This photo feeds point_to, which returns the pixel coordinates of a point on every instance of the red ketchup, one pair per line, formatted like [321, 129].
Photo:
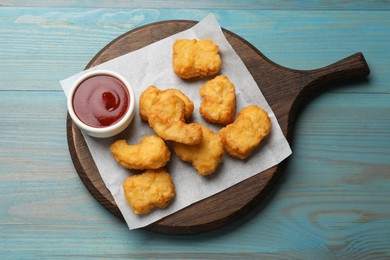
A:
[101, 101]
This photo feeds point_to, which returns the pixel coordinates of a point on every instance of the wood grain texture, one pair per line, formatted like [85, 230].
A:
[330, 203]
[299, 40]
[327, 202]
[202, 4]
[284, 89]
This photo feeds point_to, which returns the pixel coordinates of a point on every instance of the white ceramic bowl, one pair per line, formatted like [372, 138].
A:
[111, 130]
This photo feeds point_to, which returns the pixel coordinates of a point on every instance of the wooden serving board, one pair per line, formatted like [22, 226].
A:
[286, 90]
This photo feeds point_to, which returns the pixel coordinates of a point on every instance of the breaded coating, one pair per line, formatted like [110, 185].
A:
[218, 101]
[166, 118]
[188, 104]
[147, 99]
[145, 191]
[196, 58]
[242, 137]
[151, 95]
[151, 153]
[205, 156]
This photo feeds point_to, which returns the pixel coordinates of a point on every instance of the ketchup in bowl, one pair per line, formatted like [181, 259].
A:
[100, 101]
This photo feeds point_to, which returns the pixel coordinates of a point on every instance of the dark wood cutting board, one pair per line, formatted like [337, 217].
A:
[284, 89]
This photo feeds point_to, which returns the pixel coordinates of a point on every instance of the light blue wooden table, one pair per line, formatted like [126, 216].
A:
[333, 201]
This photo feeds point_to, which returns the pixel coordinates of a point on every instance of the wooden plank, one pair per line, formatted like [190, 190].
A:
[55, 43]
[332, 201]
[202, 4]
[275, 82]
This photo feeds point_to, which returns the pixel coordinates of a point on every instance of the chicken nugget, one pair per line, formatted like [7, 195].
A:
[205, 156]
[241, 137]
[151, 95]
[148, 97]
[167, 120]
[145, 191]
[218, 101]
[196, 58]
[151, 153]
[188, 104]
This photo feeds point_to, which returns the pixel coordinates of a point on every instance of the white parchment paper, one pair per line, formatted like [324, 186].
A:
[152, 65]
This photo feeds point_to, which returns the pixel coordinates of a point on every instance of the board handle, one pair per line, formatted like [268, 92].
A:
[352, 67]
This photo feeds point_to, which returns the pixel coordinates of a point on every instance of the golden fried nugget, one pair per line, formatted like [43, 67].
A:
[148, 97]
[188, 105]
[151, 153]
[145, 191]
[167, 120]
[195, 58]
[205, 156]
[242, 137]
[151, 95]
[218, 101]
